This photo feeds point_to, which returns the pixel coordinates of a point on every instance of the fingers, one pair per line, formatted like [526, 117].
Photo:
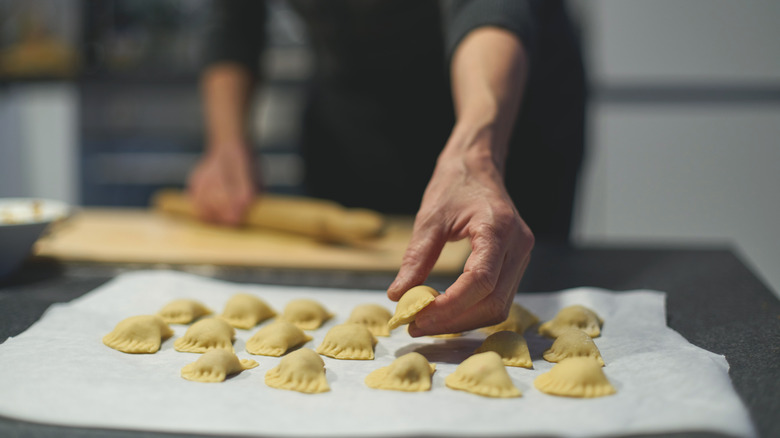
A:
[424, 249]
[491, 310]
[483, 293]
[479, 279]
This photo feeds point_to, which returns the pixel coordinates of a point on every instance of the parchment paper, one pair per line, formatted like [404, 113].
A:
[59, 372]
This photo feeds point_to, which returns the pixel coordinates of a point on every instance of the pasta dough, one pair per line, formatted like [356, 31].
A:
[206, 334]
[447, 335]
[138, 334]
[215, 366]
[373, 316]
[302, 370]
[519, 320]
[306, 314]
[183, 311]
[573, 343]
[575, 316]
[414, 300]
[575, 377]
[276, 338]
[483, 374]
[410, 372]
[348, 341]
[245, 311]
[511, 346]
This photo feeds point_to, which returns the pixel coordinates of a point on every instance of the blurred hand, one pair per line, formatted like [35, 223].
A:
[222, 185]
[466, 200]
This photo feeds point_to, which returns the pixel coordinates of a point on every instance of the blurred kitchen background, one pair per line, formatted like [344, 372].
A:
[99, 106]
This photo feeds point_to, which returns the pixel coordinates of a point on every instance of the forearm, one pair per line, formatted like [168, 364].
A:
[466, 196]
[226, 88]
[488, 70]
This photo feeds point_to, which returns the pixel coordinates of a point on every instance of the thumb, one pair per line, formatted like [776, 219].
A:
[424, 249]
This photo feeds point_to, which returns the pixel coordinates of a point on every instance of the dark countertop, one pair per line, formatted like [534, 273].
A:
[714, 300]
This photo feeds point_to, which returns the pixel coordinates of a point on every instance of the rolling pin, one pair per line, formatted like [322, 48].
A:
[320, 219]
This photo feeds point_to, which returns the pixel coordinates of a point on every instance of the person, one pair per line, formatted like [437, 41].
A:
[469, 113]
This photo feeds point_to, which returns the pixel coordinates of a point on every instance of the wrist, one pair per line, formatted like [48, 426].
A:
[227, 147]
[477, 144]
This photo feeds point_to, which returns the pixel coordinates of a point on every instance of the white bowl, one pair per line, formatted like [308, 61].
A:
[22, 221]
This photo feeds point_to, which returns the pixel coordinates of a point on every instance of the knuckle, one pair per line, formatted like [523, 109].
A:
[528, 237]
[484, 280]
[413, 255]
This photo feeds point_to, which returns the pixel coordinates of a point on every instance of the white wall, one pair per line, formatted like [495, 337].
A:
[685, 167]
[39, 141]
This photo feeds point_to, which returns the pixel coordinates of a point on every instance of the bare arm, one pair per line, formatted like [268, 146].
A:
[466, 197]
[223, 183]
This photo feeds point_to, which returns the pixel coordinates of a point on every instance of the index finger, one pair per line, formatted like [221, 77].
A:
[419, 258]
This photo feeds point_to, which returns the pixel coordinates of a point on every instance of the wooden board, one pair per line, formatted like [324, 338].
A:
[143, 236]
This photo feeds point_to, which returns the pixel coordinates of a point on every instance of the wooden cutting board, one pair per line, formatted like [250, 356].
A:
[145, 236]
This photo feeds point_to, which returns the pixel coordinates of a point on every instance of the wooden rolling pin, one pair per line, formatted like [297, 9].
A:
[317, 218]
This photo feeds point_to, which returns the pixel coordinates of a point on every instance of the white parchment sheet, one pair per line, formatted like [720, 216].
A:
[59, 372]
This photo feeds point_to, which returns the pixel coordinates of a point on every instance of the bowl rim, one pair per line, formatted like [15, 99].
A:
[64, 210]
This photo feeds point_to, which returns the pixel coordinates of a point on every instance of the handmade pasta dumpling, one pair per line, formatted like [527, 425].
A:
[183, 311]
[373, 316]
[573, 343]
[245, 311]
[447, 335]
[410, 372]
[302, 370]
[414, 300]
[575, 316]
[511, 346]
[483, 374]
[348, 341]
[519, 320]
[138, 334]
[215, 366]
[206, 334]
[276, 339]
[306, 314]
[575, 377]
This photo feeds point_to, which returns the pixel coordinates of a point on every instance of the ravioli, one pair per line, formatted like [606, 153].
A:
[215, 366]
[511, 346]
[348, 341]
[183, 311]
[302, 370]
[575, 316]
[206, 334]
[141, 334]
[373, 316]
[447, 335]
[306, 314]
[519, 320]
[276, 339]
[573, 343]
[575, 377]
[414, 300]
[483, 374]
[411, 373]
[245, 311]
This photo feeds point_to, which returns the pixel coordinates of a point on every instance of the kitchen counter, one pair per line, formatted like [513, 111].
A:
[714, 300]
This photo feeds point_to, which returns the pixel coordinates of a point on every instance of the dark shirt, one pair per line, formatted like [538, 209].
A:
[380, 109]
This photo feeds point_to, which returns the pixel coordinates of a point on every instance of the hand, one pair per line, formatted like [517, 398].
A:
[466, 200]
[222, 185]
